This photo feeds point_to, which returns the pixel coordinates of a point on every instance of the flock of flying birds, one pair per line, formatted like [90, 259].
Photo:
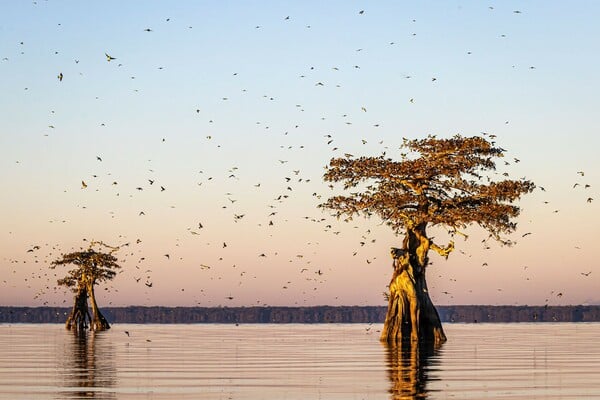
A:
[293, 177]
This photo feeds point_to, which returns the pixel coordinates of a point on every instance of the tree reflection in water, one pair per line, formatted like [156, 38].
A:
[89, 369]
[408, 366]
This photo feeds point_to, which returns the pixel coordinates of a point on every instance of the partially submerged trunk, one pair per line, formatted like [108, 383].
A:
[80, 316]
[411, 314]
[99, 323]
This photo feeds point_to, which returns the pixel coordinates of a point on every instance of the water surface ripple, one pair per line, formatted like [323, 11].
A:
[321, 361]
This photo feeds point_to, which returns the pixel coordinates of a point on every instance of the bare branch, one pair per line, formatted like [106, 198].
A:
[442, 251]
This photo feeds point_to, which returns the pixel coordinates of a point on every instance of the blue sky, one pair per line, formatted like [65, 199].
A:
[229, 105]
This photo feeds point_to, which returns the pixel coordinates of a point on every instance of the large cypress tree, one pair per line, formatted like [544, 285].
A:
[449, 183]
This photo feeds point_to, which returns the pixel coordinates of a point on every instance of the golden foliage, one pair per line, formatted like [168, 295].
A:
[446, 182]
[91, 267]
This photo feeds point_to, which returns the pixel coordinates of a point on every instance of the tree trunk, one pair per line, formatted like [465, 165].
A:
[411, 314]
[99, 323]
[80, 315]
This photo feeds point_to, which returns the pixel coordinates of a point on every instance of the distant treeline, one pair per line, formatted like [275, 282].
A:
[302, 315]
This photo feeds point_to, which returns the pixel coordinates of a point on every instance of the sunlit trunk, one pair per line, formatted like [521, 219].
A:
[99, 323]
[411, 314]
[402, 319]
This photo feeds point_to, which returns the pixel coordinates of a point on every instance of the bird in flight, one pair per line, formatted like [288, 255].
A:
[83, 185]
[109, 57]
[60, 76]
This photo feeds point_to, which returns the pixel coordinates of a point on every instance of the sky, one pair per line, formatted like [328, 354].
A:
[203, 141]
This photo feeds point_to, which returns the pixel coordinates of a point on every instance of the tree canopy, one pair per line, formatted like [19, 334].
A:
[90, 266]
[437, 182]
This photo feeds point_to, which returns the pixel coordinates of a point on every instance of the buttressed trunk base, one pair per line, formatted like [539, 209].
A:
[80, 319]
[411, 314]
[80, 316]
[99, 323]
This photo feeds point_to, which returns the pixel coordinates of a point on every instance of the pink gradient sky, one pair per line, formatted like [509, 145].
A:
[228, 106]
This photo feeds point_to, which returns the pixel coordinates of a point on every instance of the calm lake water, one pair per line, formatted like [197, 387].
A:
[334, 361]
